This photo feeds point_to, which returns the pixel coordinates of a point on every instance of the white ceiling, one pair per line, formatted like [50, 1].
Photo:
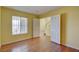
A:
[34, 9]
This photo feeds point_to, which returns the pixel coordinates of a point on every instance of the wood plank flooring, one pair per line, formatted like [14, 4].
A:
[36, 45]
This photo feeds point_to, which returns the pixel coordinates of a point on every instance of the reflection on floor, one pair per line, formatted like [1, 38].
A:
[36, 45]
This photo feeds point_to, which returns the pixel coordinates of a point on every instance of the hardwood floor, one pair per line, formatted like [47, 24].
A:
[36, 45]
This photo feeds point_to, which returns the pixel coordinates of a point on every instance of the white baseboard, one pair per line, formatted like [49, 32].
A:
[14, 41]
[68, 46]
[72, 47]
[17, 41]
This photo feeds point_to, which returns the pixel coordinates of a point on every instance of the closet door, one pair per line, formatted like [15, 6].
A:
[55, 29]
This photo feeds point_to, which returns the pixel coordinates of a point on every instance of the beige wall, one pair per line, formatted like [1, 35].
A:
[7, 36]
[73, 29]
[36, 27]
[0, 26]
[70, 25]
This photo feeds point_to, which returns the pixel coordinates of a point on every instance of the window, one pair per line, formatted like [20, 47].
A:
[19, 25]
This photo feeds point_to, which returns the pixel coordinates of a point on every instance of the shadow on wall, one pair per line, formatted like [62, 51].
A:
[63, 28]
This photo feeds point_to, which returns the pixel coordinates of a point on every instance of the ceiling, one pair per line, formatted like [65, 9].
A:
[34, 9]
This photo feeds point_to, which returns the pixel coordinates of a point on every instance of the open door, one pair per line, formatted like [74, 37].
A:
[55, 29]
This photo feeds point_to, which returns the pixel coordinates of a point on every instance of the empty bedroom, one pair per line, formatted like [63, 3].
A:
[39, 29]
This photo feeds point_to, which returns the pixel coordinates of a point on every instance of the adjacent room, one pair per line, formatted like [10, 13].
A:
[39, 29]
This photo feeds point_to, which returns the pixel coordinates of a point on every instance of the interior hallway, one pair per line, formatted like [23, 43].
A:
[36, 45]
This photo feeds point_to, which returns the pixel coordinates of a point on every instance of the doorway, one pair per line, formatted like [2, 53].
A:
[45, 26]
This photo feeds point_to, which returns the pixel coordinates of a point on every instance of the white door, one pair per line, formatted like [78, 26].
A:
[55, 29]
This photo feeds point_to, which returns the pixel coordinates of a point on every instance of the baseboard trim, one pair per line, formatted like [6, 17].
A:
[72, 47]
[65, 45]
[19, 41]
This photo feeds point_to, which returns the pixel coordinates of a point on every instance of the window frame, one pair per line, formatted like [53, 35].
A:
[26, 25]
